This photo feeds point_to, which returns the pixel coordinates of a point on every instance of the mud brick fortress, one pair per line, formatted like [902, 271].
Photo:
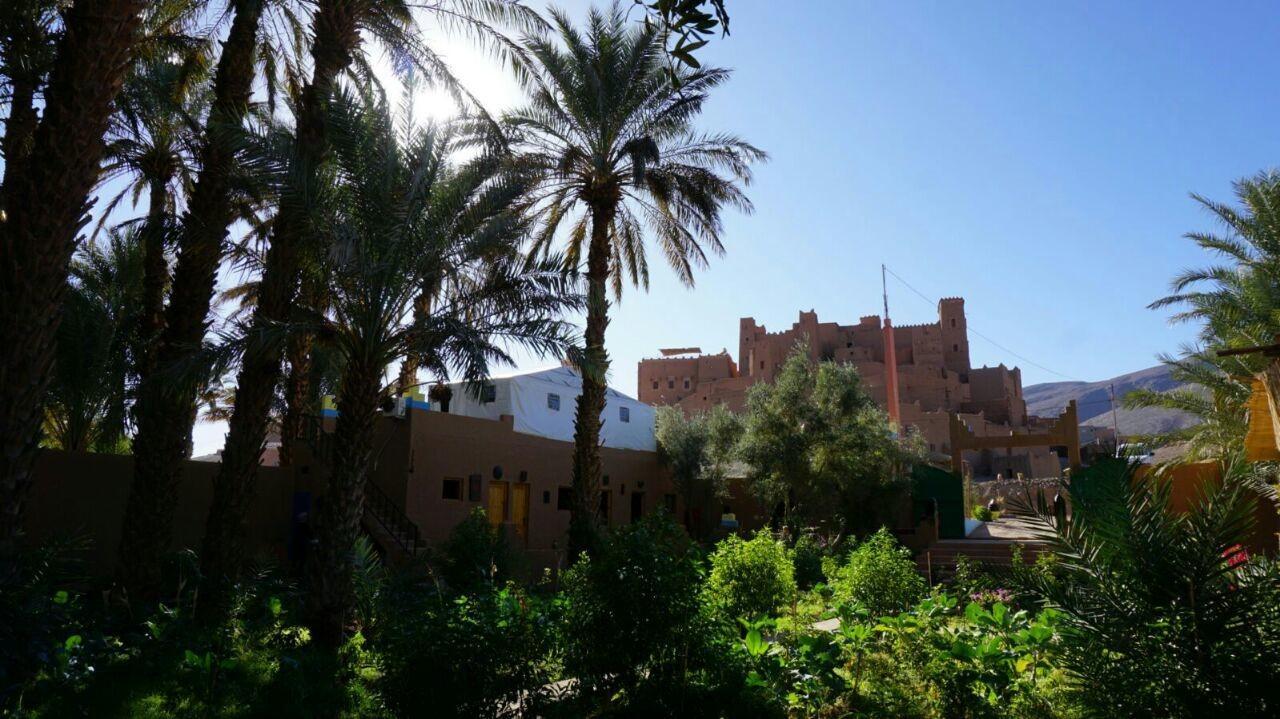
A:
[926, 366]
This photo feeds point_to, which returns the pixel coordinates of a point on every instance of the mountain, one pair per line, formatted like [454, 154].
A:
[1093, 400]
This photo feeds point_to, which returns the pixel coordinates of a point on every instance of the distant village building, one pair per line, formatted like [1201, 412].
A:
[933, 375]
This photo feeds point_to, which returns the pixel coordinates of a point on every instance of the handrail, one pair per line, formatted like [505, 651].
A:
[384, 509]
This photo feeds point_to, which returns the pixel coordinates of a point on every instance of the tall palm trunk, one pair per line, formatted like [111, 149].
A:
[19, 129]
[300, 394]
[46, 206]
[330, 569]
[155, 273]
[336, 37]
[408, 379]
[583, 529]
[164, 412]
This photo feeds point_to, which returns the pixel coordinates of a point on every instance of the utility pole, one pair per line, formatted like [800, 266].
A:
[1115, 424]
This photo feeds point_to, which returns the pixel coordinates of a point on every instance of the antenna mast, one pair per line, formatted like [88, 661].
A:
[884, 285]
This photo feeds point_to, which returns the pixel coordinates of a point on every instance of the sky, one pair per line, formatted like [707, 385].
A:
[1033, 158]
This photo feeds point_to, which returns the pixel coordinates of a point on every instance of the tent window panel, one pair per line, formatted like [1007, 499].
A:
[553, 402]
[624, 414]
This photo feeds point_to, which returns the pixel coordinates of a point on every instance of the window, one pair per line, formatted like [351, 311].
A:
[955, 348]
[546, 496]
[488, 394]
[553, 402]
[624, 414]
[671, 384]
[655, 384]
[452, 488]
[669, 501]
[473, 488]
[564, 498]
[686, 384]
[761, 364]
[953, 322]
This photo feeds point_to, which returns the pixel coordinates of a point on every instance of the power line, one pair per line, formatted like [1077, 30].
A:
[976, 332]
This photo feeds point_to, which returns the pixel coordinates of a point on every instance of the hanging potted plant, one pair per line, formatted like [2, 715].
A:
[442, 393]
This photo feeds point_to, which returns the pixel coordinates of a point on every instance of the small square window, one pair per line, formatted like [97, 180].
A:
[553, 402]
[955, 348]
[452, 488]
[564, 498]
[624, 414]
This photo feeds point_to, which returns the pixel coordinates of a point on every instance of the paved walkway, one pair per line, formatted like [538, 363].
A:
[1015, 528]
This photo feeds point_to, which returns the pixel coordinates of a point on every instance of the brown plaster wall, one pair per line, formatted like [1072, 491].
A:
[81, 493]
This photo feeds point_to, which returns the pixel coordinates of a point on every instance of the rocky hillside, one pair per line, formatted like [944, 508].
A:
[1093, 400]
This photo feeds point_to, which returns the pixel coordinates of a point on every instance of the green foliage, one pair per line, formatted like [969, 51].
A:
[815, 442]
[750, 578]
[1161, 614]
[807, 556]
[879, 576]
[98, 343]
[476, 555]
[1235, 304]
[982, 513]
[636, 636]
[465, 656]
[698, 449]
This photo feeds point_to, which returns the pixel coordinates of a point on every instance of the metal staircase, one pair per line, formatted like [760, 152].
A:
[384, 521]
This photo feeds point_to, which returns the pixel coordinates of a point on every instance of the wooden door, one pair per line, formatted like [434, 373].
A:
[520, 510]
[499, 496]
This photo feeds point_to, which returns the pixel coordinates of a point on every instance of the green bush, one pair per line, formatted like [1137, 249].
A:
[466, 656]
[880, 576]
[750, 578]
[477, 557]
[807, 556]
[982, 513]
[637, 638]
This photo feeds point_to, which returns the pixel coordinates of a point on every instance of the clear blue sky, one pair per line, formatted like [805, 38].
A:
[1034, 158]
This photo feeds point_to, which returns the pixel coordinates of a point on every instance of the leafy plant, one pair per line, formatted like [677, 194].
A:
[879, 575]
[1160, 614]
[750, 578]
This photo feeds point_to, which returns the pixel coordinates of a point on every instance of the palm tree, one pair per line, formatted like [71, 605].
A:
[151, 141]
[609, 133]
[165, 411]
[403, 219]
[337, 30]
[1161, 613]
[98, 341]
[1236, 305]
[45, 205]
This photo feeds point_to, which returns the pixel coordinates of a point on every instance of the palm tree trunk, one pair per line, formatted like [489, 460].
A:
[300, 393]
[19, 129]
[336, 37]
[583, 526]
[331, 598]
[155, 274]
[408, 378]
[46, 206]
[165, 412]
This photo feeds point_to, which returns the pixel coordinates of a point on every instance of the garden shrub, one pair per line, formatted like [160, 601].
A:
[465, 656]
[982, 513]
[807, 557]
[636, 636]
[476, 555]
[880, 575]
[750, 578]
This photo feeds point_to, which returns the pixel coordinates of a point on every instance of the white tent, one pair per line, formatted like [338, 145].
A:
[543, 403]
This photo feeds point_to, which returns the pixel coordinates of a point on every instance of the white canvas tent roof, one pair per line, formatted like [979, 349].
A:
[543, 403]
